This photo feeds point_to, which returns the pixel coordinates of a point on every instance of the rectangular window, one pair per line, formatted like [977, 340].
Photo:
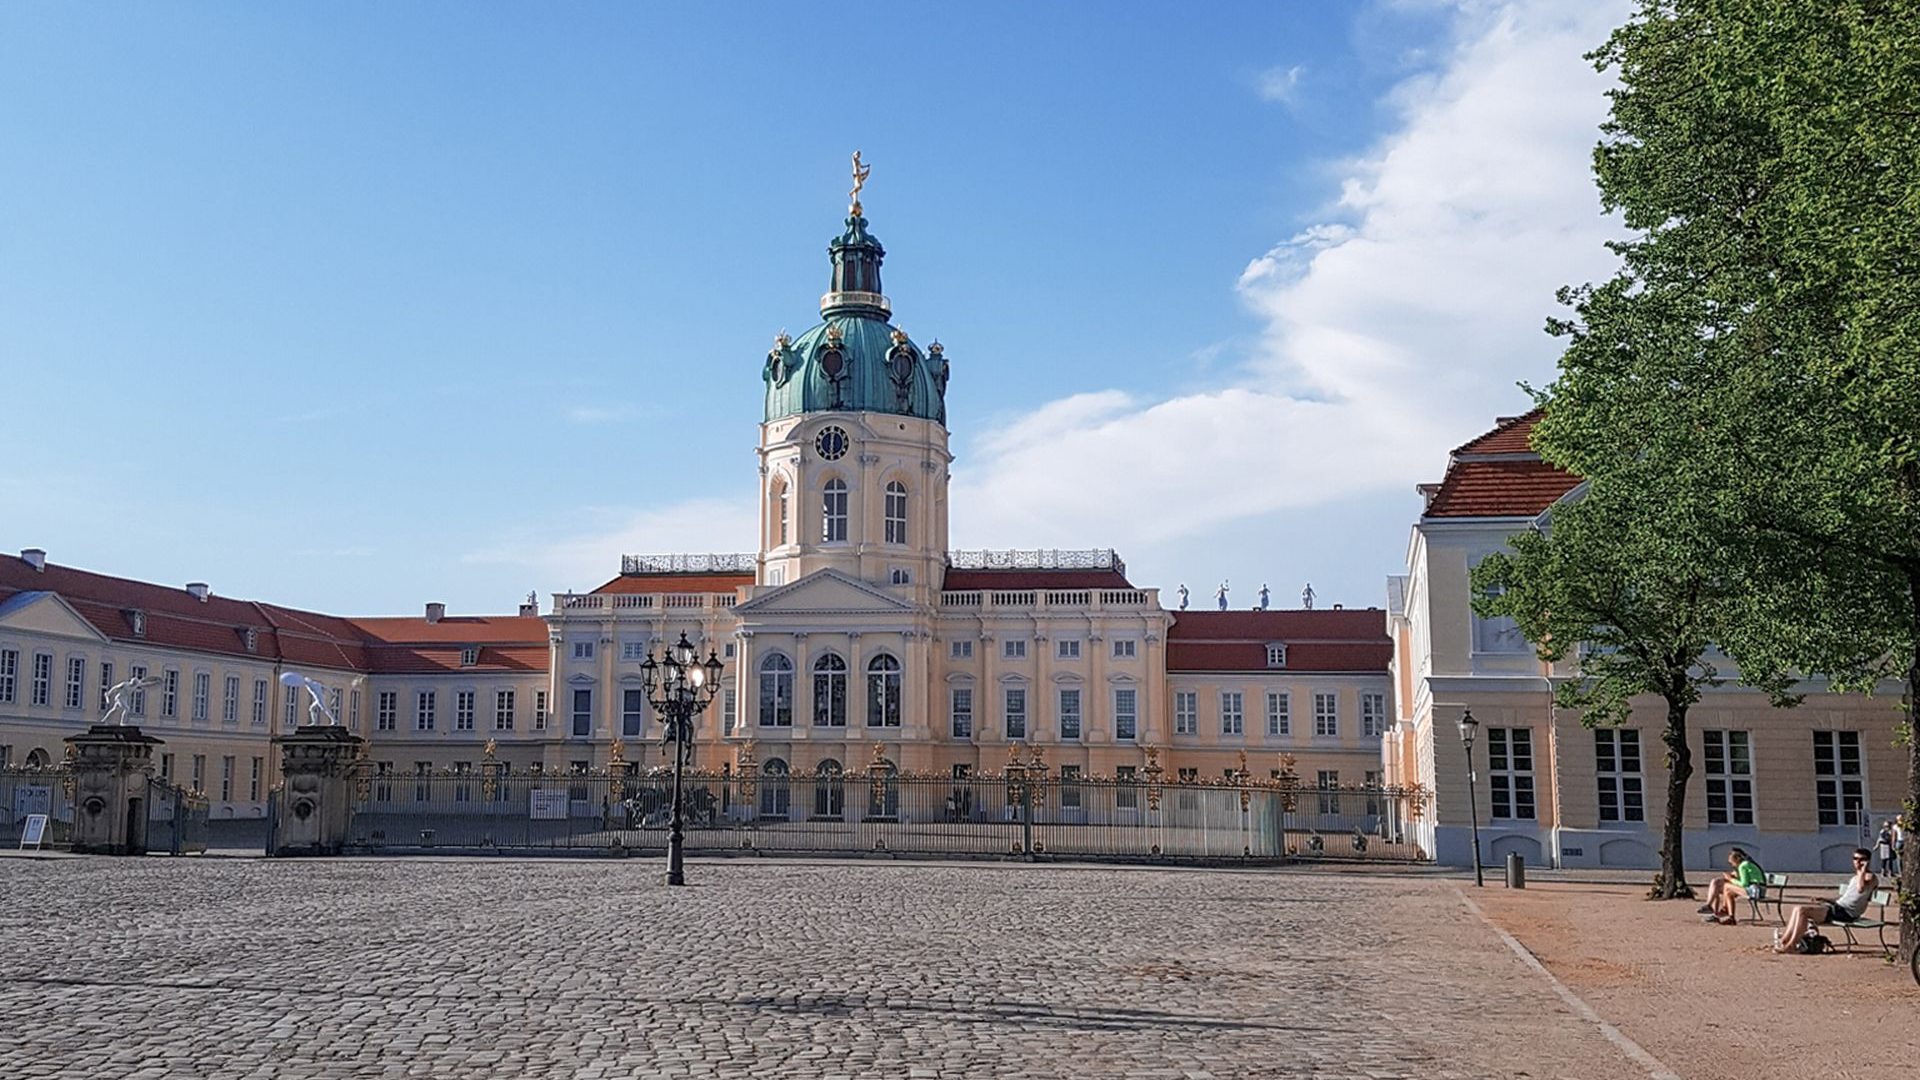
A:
[106, 681]
[1510, 772]
[1126, 717]
[1067, 649]
[202, 695]
[1840, 792]
[896, 514]
[963, 713]
[729, 709]
[1070, 714]
[1616, 768]
[424, 706]
[470, 656]
[421, 770]
[253, 781]
[582, 713]
[1329, 783]
[383, 781]
[1233, 713]
[1186, 712]
[503, 710]
[386, 710]
[260, 702]
[138, 706]
[1276, 656]
[1185, 798]
[1373, 715]
[583, 650]
[633, 713]
[230, 700]
[1326, 715]
[1729, 771]
[1069, 786]
[226, 778]
[353, 709]
[1126, 790]
[199, 773]
[1123, 648]
[76, 682]
[9, 674]
[1279, 713]
[170, 695]
[960, 650]
[539, 710]
[633, 650]
[43, 678]
[463, 781]
[290, 715]
[166, 767]
[463, 710]
[1016, 713]
[1014, 649]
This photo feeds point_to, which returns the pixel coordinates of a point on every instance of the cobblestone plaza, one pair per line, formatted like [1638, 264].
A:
[232, 968]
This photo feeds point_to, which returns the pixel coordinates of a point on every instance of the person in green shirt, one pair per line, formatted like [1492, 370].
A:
[1745, 879]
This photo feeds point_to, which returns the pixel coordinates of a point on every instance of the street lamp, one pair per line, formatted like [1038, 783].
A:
[678, 686]
[1469, 727]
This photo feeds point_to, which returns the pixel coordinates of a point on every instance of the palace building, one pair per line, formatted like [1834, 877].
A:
[851, 636]
[1799, 788]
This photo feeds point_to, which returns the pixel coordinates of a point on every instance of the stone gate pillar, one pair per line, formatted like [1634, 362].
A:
[111, 765]
[314, 805]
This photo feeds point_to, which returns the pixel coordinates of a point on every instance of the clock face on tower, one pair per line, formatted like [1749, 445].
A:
[831, 442]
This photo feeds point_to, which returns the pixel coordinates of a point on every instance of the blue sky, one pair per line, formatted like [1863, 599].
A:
[358, 306]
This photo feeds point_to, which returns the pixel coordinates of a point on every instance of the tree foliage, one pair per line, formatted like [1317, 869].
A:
[1762, 337]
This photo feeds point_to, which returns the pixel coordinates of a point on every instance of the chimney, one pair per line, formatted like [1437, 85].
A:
[198, 590]
[530, 609]
[436, 612]
[35, 558]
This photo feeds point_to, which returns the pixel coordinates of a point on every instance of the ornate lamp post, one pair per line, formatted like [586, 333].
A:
[1469, 727]
[679, 686]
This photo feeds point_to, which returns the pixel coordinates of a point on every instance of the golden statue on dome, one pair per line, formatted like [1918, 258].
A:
[860, 172]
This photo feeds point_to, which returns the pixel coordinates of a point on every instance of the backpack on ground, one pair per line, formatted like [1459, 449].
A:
[1815, 943]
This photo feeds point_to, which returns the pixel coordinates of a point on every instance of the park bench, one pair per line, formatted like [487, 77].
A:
[1773, 893]
[1873, 918]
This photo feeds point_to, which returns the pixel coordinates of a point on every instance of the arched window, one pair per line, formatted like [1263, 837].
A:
[780, 512]
[830, 691]
[38, 759]
[829, 791]
[776, 691]
[883, 691]
[833, 512]
[776, 792]
[896, 513]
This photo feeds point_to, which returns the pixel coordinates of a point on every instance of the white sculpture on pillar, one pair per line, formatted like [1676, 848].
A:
[316, 696]
[119, 693]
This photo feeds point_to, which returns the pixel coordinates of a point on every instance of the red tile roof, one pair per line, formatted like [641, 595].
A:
[1316, 641]
[1498, 475]
[676, 583]
[968, 580]
[175, 619]
[1510, 435]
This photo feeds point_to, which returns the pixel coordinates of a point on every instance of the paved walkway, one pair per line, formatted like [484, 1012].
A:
[467, 968]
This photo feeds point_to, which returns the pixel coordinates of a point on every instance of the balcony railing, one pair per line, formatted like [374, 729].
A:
[741, 562]
[1028, 599]
[643, 602]
[1037, 559]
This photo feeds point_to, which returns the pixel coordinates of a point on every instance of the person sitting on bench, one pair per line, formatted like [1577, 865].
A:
[1847, 907]
[1723, 891]
[1745, 881]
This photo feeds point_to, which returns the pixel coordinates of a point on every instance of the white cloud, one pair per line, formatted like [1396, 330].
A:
[591, 555]
[1393, 330]
[1281, 84]
[602, 414]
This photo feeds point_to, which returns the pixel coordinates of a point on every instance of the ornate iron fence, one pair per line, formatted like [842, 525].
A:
[29, 790]
[1020, 812]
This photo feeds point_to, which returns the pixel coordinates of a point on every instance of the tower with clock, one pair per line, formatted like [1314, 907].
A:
[853, 446]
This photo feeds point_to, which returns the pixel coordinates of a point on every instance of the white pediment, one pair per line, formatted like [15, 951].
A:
[46, 613]
[824, 592]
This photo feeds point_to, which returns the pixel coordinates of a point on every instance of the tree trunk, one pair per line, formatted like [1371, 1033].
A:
[1909, 893]
[1672, 882]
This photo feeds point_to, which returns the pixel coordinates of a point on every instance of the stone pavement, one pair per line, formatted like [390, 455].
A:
[222, 968]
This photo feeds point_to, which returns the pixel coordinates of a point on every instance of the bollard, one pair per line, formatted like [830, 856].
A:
[1516, 870]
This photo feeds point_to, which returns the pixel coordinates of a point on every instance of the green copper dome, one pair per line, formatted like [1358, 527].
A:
[855, 360]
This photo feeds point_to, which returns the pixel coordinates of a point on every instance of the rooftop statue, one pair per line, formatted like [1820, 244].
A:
[1183, 596]
[859, 181]
[1306, 596]
[1220, 594]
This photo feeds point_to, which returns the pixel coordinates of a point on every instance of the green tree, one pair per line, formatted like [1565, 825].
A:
[1620, 578]
[1762, 337]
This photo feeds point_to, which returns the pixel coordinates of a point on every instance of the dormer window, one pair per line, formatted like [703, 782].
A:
[252, 639]
[1276, 655]
[139, 621]
[470, 656]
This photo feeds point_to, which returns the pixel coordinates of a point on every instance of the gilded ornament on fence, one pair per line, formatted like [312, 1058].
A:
[1154, 772]
[1417, 801]
[489, 750]
[617, 753]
